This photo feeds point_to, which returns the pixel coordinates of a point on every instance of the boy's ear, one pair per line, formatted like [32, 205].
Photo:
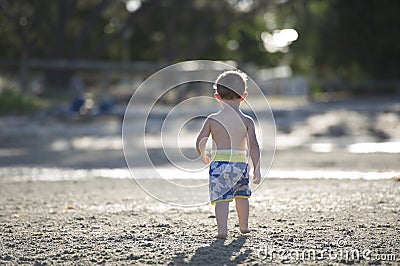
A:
[216, 95]
[243, 96]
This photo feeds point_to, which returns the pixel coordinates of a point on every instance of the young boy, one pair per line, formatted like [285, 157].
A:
[232, 134]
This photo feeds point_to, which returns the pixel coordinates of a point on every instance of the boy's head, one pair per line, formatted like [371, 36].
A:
[231, 85]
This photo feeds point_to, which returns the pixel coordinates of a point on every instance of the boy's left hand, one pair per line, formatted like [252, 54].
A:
[205, 158]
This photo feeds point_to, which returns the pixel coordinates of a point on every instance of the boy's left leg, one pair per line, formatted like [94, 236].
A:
[221, 213]
[242, 209]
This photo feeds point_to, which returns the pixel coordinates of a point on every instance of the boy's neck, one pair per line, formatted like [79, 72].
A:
[232, 104]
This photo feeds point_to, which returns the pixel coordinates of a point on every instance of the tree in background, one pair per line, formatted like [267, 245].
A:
[363, 35]
[355, 41]
[153, 30]
[351, 40]
[62, 29]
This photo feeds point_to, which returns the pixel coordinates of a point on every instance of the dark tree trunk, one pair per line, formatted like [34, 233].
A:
[58, 79]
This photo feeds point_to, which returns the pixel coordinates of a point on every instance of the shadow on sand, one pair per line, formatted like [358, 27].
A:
[217, 253]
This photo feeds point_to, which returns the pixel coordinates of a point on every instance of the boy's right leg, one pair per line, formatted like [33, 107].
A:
[221, 214]
[242, 209]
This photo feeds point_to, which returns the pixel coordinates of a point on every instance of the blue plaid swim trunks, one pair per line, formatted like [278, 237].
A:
[228, 180]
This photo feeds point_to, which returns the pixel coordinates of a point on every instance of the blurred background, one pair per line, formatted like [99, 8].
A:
[329, 68]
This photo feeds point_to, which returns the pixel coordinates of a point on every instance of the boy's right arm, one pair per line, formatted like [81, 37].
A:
[254, 150]
[202, 141]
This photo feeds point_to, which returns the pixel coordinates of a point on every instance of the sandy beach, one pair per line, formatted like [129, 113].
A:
[66, 196]
[111, 221]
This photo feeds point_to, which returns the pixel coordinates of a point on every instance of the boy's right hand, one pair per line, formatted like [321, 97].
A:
[257, 177]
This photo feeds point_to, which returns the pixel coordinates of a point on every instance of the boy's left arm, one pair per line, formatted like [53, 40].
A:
[202, 141]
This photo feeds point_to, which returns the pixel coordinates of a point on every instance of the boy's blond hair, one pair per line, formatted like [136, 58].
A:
[231, 85]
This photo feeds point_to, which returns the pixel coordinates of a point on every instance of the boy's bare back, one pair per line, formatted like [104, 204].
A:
[229, 129]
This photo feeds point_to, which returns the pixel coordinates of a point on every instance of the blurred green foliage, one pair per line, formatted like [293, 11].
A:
[159, 31]
[354, 40]
[14, 102]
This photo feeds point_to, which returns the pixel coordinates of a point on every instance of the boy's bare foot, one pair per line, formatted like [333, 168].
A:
[245, 231]
[221, 236]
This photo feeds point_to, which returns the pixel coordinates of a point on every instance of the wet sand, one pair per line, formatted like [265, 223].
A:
[112, 221]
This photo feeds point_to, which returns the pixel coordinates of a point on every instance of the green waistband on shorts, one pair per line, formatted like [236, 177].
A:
[229, 156]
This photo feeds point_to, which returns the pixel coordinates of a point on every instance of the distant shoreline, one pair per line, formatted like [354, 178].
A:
[32, 174]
